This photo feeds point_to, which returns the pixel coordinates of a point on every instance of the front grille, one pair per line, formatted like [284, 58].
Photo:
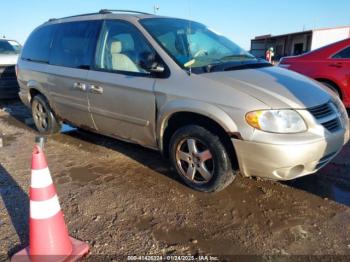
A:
[7, 72]
[321, 111]
[328, 116]
[332, 125]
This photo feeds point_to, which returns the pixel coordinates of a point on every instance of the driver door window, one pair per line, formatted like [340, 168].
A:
[120, 48]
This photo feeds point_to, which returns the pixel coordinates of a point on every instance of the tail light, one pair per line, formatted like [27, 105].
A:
[284, 65]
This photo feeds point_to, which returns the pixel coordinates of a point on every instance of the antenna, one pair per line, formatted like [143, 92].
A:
[189, 29]
[156, 9]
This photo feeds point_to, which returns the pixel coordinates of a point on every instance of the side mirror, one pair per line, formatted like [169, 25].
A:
[157, 69]
[149, 62]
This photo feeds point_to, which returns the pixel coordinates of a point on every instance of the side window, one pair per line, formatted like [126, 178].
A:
[345, 53]
[121, 47]
[37, 47]
[74, 44]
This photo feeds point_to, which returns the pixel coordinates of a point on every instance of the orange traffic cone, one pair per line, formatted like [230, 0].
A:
[48, 235]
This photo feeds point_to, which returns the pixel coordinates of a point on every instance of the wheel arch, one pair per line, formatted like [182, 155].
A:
[33, 92]
[37, 90]
[212, 118]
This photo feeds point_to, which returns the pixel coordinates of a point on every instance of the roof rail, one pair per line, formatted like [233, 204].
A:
[108, 11]
[53, 19]
[101, 12]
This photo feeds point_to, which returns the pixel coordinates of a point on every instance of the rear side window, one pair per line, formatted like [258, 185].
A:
[74, 44]
[37, 47]
[345, 53]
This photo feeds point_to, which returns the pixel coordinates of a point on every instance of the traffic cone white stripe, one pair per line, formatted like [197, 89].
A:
[44, 209]
[41, 178]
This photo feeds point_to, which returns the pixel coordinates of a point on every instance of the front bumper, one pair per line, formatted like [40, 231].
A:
[8, 82]
[288, 161]
[8, 90]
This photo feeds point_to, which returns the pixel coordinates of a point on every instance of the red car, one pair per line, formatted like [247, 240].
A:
[329, 65]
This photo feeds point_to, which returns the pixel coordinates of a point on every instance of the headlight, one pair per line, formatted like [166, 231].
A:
[276, 121]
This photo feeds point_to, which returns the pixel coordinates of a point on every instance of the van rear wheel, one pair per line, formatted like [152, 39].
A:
[200, 159]
[43, 116]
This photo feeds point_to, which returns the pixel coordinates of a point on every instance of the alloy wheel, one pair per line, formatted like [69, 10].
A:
[194, 160]
[40, 115]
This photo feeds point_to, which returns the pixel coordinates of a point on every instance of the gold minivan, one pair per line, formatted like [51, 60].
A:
[176, 86]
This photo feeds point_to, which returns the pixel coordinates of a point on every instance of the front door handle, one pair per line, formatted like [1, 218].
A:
[79, 86]
[96, 89]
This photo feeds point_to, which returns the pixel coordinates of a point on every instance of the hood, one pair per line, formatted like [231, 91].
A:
[276, 87]
[8, 59]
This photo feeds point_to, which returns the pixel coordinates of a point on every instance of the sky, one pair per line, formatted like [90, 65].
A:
[239, 20]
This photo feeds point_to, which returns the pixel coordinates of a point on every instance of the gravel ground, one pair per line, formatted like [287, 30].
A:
[123, 200]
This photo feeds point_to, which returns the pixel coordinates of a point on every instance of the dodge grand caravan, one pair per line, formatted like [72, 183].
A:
[179, 87]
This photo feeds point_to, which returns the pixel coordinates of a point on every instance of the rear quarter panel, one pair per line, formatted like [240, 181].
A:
[32, 76]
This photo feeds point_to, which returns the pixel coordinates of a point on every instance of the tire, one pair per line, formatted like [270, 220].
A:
[43, 116]
[200, 159]
[332, 87]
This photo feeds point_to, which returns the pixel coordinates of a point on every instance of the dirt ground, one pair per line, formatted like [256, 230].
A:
[123, 200]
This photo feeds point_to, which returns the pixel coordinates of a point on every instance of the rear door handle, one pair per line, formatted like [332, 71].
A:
[96, 89]
[79, 86]
[337, 65]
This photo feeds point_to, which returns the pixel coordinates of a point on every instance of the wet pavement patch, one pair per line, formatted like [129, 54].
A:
[7, 140]
[82, 174]
[86, 174]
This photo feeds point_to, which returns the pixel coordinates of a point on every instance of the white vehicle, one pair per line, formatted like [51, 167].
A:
[9, 51]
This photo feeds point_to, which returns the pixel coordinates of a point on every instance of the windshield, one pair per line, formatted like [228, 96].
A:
[192, 44]
[8, 47]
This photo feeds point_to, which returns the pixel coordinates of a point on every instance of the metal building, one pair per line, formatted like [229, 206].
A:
[297, 43]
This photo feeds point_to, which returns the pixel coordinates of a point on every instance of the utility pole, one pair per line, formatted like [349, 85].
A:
[156, 9]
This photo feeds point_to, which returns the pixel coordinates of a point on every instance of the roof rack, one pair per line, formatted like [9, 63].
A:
[108, 11]
[53, 19]
[101, 12]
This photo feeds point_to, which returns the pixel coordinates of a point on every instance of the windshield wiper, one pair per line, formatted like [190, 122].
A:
[248, 66]
[208, 68]
[240, 56]
[235, 65]
[227, 60]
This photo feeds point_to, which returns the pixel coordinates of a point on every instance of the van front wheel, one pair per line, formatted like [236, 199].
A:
[200, 159]
[44, 119]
